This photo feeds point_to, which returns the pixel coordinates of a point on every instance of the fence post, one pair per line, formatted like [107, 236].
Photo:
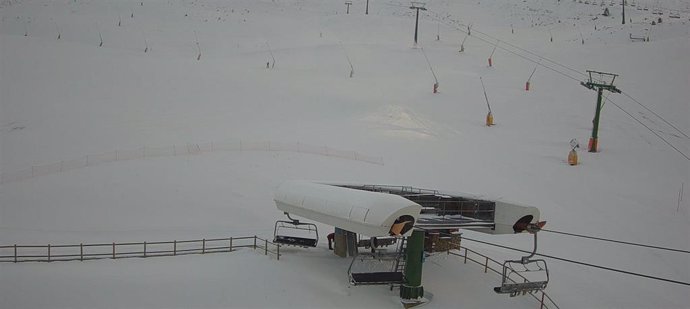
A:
[265, 246]
[203, 246]
[254, 242]
[48, 252]
[113, 251]
[465, 255]
[278, 252]
[144, 249]
[486, 265]
[230, 245]
[81, 252]
[174, 247]
[15, 253]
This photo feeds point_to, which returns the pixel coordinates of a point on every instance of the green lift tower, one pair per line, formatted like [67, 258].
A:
[599, 81]
[412, 291]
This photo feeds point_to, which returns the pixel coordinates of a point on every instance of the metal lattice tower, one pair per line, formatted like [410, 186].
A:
[599, 81]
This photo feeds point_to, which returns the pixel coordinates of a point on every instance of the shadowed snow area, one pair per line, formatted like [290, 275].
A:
[347, 92]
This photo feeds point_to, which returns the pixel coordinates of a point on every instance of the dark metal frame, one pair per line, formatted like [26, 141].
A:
[514, 288]
[292, 240]
[394, 276]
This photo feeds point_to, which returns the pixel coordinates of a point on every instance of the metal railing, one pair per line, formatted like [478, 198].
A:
[399, 190]
[544, 299]
[82, 252]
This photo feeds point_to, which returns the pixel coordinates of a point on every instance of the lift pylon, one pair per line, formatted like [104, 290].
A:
[599, 81]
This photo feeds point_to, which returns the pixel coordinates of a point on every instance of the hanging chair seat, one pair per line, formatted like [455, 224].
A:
[516, 288]
[295, 241]
[377, 278]
[295, 233]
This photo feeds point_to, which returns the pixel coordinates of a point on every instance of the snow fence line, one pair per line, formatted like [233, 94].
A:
[181, 150]
[83, 252]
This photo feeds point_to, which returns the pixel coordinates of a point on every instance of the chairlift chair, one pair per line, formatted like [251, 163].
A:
[377, 267]
[295, 233]
[525, 275]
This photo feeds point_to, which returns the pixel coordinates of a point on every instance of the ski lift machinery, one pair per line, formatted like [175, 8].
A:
[295, 233]
[525, 275]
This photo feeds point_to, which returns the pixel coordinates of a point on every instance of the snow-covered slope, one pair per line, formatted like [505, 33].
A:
[68, 98]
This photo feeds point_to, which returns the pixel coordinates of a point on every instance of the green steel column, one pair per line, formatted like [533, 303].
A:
[595, 128]
[413, 288]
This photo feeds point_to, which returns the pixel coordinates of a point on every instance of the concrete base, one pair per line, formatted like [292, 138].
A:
[416, 302]
[411, 292]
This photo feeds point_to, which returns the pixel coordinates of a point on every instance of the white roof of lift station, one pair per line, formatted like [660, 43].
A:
[362, 212]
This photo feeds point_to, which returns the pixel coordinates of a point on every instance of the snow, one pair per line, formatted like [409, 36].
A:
[64, 99]
[358, 211]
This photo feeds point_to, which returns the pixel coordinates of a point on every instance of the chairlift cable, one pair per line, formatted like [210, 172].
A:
[617, 241]
[513, 52]
[571, 77]
[584, 263]
[650, 130]
[575, 262]
[522, 56]
[568, 76]
[532, 53]
[521, 49]
[655, 114]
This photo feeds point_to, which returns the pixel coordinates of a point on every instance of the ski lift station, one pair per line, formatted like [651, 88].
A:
[410, 221]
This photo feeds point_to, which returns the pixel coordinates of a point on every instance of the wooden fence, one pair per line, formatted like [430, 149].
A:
[82, 252]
